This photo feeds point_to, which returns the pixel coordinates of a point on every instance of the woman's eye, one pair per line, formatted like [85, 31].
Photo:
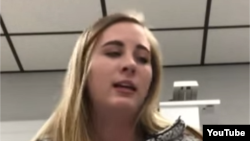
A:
[113, 54]
[143, 60]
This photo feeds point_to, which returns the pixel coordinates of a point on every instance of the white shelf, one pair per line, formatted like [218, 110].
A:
[190, 103]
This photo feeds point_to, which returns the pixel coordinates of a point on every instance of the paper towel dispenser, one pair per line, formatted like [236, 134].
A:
[185, 90]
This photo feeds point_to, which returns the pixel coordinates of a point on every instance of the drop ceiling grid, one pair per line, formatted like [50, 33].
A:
[72, 17]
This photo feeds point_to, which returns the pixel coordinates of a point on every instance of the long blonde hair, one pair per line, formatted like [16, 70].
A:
[70, 120]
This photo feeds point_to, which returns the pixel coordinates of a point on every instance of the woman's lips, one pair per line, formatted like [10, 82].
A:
[124, 90]
[125, 87]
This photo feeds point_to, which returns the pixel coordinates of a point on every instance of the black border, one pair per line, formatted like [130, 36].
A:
[13, 50]
[205, 32]
[104, 8]
[176, 28]
[152, 29]
[228, 26]
[165, 66]
[43, 33]
[207, 65]
[205, 29]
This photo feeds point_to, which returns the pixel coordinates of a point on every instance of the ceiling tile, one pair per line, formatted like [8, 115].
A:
[49, 15]
[228, 46]
[8, 62]
[180, 47]
[45, 52]
[164, 13]
[229, 12]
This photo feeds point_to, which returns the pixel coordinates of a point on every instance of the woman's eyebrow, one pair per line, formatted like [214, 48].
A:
[140, 46]
[118, 43]
[114, 42]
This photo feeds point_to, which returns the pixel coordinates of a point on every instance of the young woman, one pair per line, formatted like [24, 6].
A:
[111, 88]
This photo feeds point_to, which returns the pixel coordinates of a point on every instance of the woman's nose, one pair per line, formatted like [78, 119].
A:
[129, 65]
[129, 69]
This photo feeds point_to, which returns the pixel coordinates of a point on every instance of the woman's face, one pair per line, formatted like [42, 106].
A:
[121, 73]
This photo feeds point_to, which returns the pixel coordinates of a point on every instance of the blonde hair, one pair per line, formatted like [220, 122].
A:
[70, 120]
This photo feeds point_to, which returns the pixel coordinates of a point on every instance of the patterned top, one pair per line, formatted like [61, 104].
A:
[176, 132]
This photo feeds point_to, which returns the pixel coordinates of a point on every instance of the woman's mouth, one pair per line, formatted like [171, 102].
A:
[125, 87]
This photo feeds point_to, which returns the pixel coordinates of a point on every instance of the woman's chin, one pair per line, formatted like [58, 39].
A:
[123, 103]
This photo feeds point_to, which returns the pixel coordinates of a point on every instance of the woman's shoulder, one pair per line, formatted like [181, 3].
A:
[177, 132]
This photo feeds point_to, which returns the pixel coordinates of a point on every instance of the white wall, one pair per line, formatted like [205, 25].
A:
[228, 83]
[19, 130]
[29, 96]
[33, 96]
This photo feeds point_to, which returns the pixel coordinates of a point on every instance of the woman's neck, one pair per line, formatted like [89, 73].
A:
[114, 127]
